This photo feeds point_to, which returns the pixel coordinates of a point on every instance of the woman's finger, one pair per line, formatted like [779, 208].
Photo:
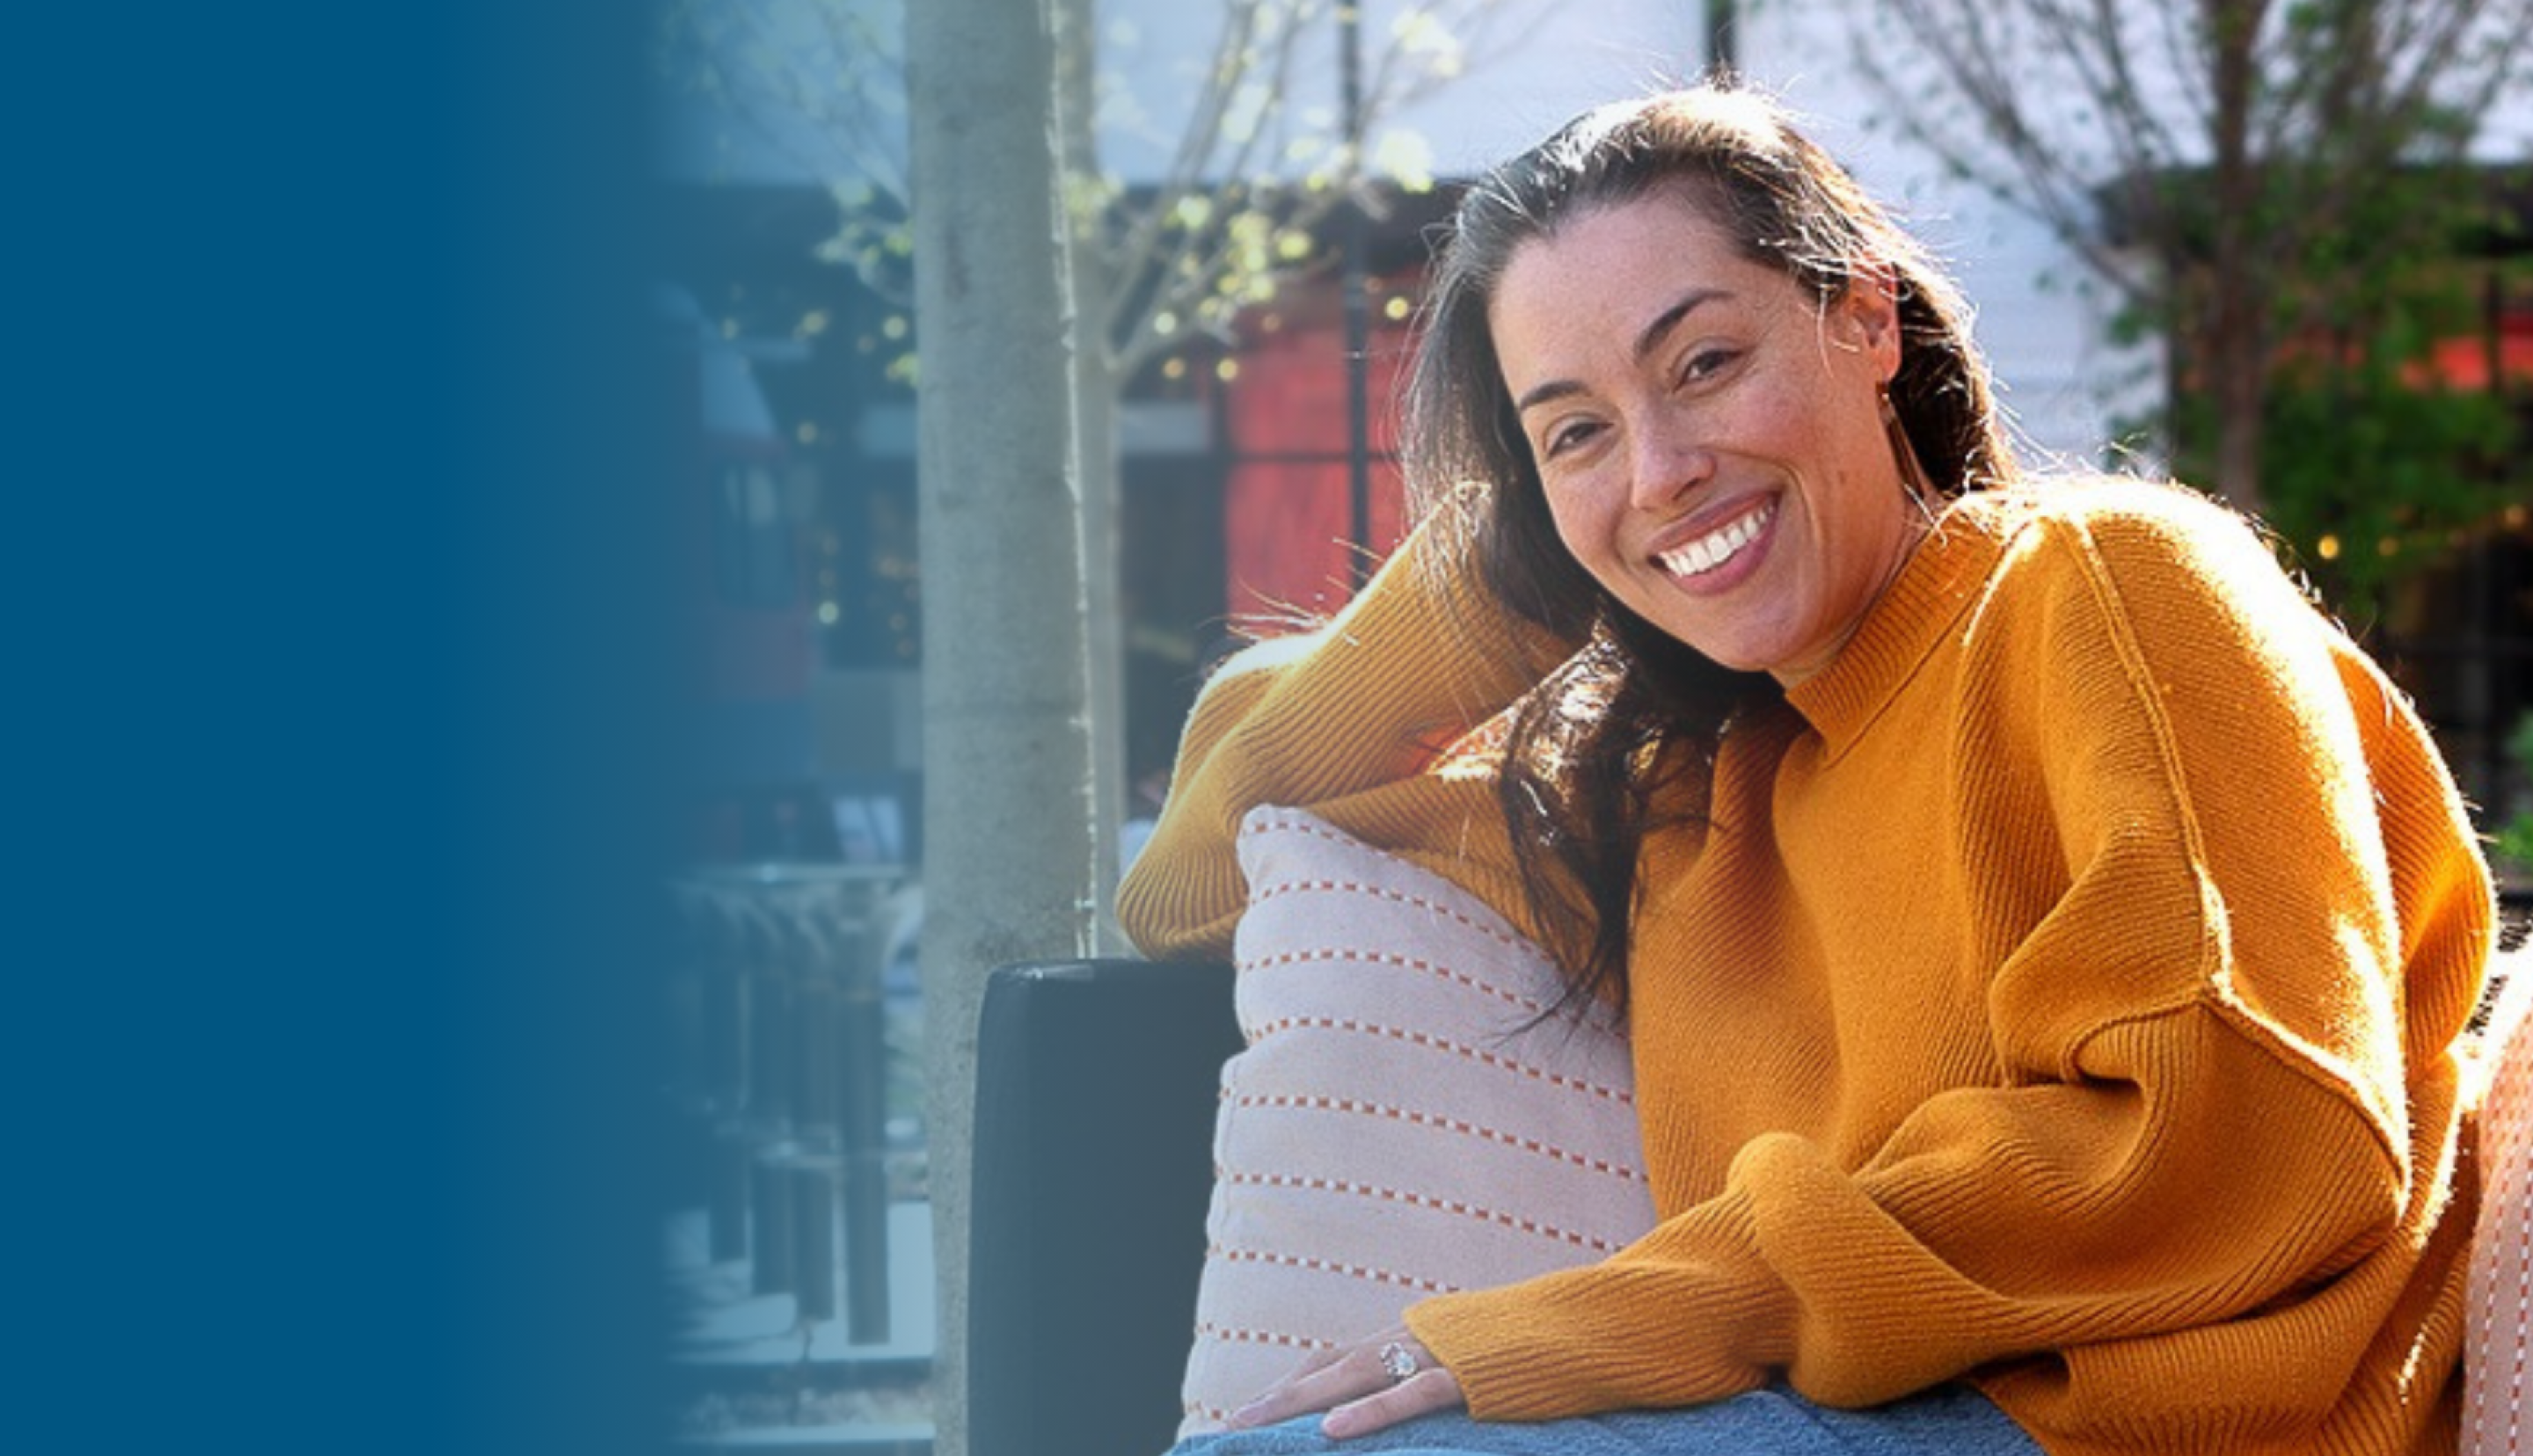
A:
[1367, 1374]
[1281, 1400]
[1421, 1394]
[1326, 1380]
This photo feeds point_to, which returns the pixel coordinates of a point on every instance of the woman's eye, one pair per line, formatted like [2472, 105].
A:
[1566, 437]
[1706, 363]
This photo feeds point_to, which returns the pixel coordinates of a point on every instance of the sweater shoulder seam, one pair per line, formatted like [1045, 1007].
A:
[2120, 629]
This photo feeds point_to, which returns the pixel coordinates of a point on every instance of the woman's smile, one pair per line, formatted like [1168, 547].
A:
[1696, 564]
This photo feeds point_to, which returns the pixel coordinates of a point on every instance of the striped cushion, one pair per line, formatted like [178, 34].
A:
[1403, 1122]
[2499, 1346]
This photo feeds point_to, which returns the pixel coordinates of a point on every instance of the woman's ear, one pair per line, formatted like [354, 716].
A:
[1872, 301]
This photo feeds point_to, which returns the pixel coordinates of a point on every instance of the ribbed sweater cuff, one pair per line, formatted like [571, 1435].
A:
[1678, 1327]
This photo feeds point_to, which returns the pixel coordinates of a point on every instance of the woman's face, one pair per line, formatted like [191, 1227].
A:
[1709, 435]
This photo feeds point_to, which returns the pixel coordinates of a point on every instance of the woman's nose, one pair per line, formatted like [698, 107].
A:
[1669, 461]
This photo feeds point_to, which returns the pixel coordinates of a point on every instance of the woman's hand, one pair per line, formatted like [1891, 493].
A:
[1376, 1382]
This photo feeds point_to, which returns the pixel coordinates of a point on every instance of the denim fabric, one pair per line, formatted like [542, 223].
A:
[1954, 1420]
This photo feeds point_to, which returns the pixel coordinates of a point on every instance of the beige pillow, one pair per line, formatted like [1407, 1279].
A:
[1403, 1123]
[2498, 1340]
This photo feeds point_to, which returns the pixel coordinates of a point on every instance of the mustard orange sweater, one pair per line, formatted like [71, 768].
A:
[2065, 993]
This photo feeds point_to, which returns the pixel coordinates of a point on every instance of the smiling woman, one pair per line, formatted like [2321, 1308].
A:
[2046, 944]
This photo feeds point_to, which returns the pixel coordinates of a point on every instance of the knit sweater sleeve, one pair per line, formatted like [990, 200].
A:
[1346, 720]
[2217, 1139]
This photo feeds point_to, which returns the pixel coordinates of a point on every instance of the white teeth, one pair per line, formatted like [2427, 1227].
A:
[1707, 553]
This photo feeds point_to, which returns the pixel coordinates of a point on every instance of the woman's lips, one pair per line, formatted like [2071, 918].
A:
[1710, 553]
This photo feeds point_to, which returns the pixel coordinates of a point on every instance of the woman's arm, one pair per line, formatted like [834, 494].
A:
[1343, 721]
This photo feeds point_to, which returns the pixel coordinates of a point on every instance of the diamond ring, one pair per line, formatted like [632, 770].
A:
[1398, 1361]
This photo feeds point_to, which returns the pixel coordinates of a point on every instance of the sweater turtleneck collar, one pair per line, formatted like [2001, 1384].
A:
[1906, 622]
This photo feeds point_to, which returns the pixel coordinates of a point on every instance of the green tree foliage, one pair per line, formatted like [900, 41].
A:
[2226, 167]
[2373, 459]
[2515, 839]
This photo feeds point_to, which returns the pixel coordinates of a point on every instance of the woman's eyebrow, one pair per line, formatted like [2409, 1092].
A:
[1647, 340]
[1653, 334]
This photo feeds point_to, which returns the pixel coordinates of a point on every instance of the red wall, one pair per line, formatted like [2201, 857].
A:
[1285, 511]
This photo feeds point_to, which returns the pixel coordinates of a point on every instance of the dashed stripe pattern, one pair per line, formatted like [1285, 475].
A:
[1204, 1414]
[2499, 1348]
[1407, 899]
[1237, 1335]
[1458, 1207]
[1325, 956]
[1411, 1038]
[1390, 1277]
[1462, 1125]
[1209, 1416]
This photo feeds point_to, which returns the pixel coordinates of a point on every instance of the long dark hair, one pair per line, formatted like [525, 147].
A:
[1637, 714]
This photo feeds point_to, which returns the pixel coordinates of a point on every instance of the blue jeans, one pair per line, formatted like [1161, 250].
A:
[1951, 1421]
